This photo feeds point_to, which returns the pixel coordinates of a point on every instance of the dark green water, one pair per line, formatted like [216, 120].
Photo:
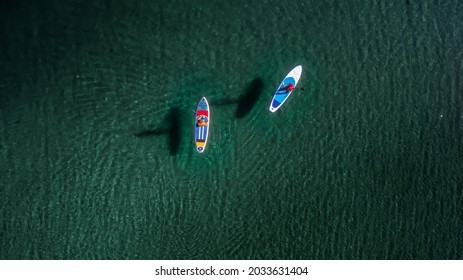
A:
[365, 163]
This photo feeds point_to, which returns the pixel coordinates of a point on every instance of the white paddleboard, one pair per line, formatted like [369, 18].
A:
[281, 95]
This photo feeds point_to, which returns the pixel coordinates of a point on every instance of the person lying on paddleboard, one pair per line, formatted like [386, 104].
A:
[202, 120]
[289, 87]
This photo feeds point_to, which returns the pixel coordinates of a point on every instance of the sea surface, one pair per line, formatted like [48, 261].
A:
[97, 159]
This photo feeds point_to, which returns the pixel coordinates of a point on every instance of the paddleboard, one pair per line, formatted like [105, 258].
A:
[202, 121]
[281, 95]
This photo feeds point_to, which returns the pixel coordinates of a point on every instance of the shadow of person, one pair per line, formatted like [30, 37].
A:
[174, 119]
[246, 101]
[172, 128]
[249, 98]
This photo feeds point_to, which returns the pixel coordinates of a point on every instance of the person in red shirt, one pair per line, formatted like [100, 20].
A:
[289, 87]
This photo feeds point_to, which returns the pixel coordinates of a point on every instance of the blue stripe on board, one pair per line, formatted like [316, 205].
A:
[201, 132]
[197, 132]
[280, 97]
[204, 132]
[275, 103]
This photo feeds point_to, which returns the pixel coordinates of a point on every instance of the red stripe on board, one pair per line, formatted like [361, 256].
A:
[202, 112]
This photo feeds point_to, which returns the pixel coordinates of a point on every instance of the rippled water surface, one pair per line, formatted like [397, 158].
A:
[97, 159]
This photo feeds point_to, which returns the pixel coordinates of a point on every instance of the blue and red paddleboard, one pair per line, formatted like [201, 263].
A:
[202, 121]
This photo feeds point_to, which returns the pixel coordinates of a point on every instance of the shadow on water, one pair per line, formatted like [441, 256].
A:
[249, 98]
[246, 101]
[151, 132]
[173, 123]
[10, 6]
[175, 135]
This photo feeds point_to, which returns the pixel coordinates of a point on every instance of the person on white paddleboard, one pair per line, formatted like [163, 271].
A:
[289, 87]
